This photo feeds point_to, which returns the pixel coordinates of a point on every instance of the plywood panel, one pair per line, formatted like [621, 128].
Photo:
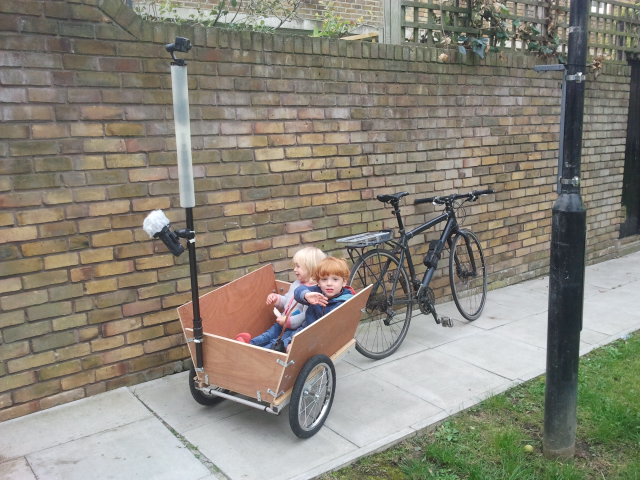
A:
[247, 369]
[282, 287]
[238, 306]
[240, 367]
[326, 336]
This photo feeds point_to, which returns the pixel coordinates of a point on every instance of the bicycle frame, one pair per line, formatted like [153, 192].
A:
[387, 264]
[402, 246]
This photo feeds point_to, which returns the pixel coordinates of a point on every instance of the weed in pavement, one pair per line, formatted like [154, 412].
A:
[501, 438]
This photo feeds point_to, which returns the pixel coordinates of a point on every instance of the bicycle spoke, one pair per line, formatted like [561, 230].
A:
[313, 398]
[467, 275]
[388, 311]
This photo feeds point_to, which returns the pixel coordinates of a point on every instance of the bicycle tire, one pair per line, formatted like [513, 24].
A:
[383, 326]
[198, 395]
[312, 396]
[467, 274]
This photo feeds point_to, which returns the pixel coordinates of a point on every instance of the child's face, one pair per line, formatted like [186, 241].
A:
[331, 285]
[301, 273]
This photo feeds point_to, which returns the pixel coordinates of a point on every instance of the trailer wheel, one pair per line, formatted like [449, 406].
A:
[312, 396]
[198, 395]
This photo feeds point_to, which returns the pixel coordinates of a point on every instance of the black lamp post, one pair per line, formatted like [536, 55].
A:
[566, 272]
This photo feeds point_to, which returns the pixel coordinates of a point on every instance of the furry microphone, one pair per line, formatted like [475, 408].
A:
[157, 226]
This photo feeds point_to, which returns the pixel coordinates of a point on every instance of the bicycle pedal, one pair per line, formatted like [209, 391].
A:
[446, 321]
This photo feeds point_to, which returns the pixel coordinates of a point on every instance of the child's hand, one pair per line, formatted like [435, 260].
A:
[281, 320]
[272, 298]
[316, 298]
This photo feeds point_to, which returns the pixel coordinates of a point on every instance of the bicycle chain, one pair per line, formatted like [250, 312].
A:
[426, 300]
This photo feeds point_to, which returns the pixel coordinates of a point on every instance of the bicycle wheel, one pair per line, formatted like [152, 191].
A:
[312, 396]
[387, 315]
[198, 395]
[467, 274]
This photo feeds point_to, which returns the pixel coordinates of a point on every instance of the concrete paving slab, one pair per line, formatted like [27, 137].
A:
[427, 333]
[367, 409]
[500, 309]
[144, 449]
[593, 338]
[423, 332]
[68, 422]
[610, 318]
[257, 445]
[408, 347]
[169, 398]
[442, 380]
[498, 354]
[533, 293]
[605, 275]
[16, 469]
[624, 298]
[531, 330]
[344, 368]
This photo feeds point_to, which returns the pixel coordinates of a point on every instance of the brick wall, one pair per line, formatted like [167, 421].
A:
[368, 13]
[292, 136]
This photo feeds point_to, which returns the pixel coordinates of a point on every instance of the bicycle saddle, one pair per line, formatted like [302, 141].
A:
[392, 198]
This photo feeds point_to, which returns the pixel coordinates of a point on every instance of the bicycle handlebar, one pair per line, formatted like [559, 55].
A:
[455, 196]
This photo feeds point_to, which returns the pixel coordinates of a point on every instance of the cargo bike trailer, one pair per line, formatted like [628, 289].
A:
[304, 378]
[223, 368]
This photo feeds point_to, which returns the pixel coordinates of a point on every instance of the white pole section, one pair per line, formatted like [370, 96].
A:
[179, 86]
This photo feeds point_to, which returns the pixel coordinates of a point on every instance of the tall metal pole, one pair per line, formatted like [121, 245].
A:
[566, 272]
[179, 88]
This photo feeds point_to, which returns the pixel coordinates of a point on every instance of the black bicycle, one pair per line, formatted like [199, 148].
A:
[380, 260]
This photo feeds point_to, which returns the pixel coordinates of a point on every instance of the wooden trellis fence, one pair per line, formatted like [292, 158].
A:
[614, 26]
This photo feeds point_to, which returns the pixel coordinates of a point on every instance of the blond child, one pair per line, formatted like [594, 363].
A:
[291, 315]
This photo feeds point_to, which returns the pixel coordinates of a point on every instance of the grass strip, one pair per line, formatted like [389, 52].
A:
[501, 438]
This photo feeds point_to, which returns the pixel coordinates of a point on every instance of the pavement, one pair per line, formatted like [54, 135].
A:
[155, 430]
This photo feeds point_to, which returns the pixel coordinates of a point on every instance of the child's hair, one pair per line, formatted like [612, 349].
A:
[332, 266]
[309, 257]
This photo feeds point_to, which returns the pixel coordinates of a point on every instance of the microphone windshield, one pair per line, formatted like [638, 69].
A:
[155, 222]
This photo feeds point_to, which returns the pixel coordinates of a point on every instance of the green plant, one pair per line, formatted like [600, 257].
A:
[257, 12]
[545, 45]
[167, 11]
[447, 432]
[487, 26]
[333, 25]
[259, 15]
[490, 24]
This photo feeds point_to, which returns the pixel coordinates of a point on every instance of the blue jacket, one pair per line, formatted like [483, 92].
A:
[314, 312]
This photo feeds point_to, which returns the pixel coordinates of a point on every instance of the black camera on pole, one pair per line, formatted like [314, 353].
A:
[180, 44]
[157, 226]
